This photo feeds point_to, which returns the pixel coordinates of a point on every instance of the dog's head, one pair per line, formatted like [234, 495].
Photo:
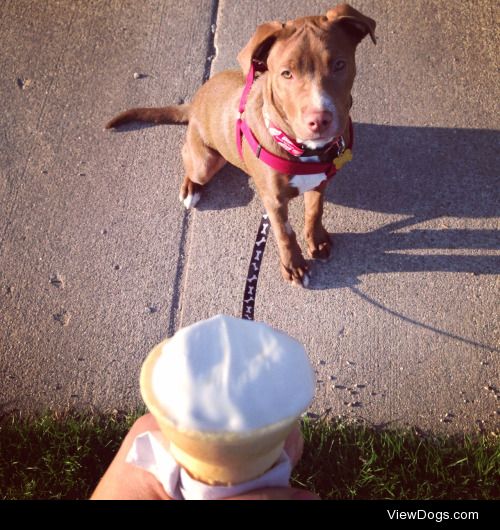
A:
[311, 70]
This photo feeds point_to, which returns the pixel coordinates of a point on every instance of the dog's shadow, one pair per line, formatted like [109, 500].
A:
[423, 174]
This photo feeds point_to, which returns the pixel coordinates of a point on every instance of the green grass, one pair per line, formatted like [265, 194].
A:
[355, 461]
[63, 457]
[57, 456]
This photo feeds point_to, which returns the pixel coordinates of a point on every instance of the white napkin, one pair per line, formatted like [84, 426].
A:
[149, 453]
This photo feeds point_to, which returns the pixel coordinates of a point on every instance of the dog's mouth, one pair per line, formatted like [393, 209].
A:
[316, 143]
[320, 139]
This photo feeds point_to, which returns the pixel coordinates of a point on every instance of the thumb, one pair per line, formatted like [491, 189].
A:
[277, 494]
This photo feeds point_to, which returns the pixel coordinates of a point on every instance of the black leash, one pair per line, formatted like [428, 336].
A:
[254, 268]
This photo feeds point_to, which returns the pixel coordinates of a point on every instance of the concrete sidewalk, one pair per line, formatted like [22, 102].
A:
[98, 261]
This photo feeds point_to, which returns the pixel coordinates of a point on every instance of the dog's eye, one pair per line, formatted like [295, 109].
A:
[339, 65]
[287, 74]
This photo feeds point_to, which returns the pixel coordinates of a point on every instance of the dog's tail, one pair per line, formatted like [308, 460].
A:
[161, 115]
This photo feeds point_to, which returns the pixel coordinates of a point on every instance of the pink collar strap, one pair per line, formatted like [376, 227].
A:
[289, 167]
[284, 141]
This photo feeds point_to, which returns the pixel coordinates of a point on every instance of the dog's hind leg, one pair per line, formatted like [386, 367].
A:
[201, 163]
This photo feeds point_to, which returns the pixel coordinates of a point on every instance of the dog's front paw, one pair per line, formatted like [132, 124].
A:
[320, 247]
[296, 274]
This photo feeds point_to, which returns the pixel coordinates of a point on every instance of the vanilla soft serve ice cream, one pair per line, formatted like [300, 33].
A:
[232, 375]
[226, 392]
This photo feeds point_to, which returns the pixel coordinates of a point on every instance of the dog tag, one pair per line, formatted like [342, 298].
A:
[345, 157]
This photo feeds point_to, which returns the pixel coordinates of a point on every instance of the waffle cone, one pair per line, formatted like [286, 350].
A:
[215, 457]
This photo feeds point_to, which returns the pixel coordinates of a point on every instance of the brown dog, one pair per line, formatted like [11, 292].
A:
[297, 109]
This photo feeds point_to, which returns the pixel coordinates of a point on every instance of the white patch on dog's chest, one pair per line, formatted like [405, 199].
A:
[307, 182]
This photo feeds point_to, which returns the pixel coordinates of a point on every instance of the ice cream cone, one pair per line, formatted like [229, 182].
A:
[215, 457]
[226, 393]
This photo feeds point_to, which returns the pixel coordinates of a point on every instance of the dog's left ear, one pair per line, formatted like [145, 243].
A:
[259, 45]
[355, 22]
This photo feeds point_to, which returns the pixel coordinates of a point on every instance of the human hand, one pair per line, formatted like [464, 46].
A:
[123, 481]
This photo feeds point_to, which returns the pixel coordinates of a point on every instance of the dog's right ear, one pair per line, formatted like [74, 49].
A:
[259, 45]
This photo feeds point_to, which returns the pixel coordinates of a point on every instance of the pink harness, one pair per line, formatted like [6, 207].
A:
[289, 167]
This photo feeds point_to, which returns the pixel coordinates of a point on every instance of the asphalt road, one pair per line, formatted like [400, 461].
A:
[99, 262]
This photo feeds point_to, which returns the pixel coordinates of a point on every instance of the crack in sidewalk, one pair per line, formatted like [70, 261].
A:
[175, 316]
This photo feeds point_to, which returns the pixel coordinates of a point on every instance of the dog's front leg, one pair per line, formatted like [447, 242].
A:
[293, 265]
[318, 241]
